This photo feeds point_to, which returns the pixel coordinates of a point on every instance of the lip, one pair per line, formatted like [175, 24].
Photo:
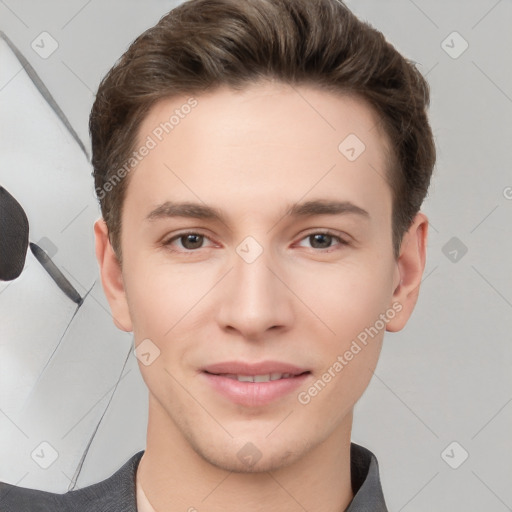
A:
[261, 368]
[253, 394]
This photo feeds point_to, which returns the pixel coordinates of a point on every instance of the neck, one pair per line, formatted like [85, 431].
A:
[176, 478]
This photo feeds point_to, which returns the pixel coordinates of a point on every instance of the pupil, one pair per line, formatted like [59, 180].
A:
[193, 241]
[321, 237]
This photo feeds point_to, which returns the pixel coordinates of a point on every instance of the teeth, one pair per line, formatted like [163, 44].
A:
[258, 378]
[245, 378]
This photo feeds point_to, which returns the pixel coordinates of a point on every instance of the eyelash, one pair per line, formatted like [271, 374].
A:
[190, 252]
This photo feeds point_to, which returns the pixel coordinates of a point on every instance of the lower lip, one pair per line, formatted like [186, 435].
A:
[253, 394]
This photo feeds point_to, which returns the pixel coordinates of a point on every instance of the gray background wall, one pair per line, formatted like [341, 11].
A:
[446, 378]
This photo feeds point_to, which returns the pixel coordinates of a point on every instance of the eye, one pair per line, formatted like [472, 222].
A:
[323, 240]
[188, 241]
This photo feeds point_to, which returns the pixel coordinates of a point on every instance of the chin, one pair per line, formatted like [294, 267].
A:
[233, 463]
[257, 456]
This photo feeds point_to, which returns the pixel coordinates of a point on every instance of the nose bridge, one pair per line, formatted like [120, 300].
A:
[255, 285]
[256, 300]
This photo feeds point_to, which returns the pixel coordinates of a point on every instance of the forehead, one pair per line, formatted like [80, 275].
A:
[264, 107]
[270, 138]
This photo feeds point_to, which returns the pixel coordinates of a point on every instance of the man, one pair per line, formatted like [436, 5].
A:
[260, 167]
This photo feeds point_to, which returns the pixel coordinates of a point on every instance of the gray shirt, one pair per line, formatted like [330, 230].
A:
[118, 492]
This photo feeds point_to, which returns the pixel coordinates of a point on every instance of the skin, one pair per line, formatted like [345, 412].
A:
[252, 154]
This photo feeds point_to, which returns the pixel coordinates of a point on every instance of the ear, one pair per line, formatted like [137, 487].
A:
[409, 271]
[112, 277]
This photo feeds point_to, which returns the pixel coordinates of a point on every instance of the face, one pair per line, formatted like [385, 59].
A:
[280, 263]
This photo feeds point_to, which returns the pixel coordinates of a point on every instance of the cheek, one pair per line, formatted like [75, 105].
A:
[350, 302]
[346, 299]
[161, 295]
[349, 338]
[159, 299]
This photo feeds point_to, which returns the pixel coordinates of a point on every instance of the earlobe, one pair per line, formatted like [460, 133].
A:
[410, 267]
[111, 277]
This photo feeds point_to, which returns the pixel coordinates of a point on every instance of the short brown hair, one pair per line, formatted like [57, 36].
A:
[203, 44]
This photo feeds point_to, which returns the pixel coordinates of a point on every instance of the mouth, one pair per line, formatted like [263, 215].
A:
[278, 369]
[254, 384]
[266, 377]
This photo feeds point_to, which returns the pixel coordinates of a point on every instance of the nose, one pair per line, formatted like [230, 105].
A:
[255, 298]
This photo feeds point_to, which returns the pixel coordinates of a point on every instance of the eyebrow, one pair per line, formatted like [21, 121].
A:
[171, 209]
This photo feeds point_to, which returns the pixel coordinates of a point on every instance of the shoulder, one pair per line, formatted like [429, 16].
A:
[116, 493]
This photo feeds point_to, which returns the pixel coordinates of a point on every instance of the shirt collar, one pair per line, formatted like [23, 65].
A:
[366, 485]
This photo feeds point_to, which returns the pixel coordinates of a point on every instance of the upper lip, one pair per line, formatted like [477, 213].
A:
[261, 368]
